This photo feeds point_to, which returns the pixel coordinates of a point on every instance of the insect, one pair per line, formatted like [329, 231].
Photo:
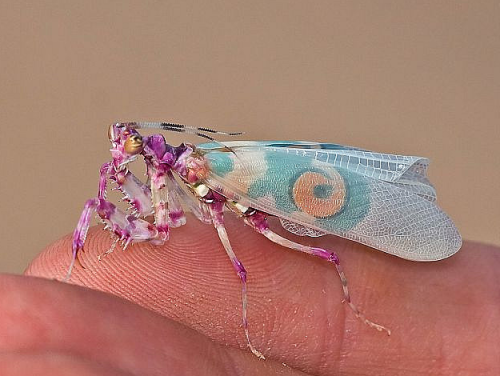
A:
[382, 200]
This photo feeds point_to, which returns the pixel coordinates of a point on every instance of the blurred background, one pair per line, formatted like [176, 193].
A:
[410, 77]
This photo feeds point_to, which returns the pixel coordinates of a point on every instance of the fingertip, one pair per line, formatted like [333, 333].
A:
[54, 326]
[295, 309]
[191, 280]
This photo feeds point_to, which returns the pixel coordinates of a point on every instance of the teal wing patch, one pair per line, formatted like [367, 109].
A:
[387, 211]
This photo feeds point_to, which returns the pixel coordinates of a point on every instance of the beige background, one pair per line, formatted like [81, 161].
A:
[414, 77]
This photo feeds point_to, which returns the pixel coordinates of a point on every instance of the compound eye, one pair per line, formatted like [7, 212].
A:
[111, 133]
[133, 144]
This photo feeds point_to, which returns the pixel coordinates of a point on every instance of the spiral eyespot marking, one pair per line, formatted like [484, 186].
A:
[319, 195]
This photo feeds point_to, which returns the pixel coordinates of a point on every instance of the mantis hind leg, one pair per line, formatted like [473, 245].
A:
[257, 220]
[216, 211]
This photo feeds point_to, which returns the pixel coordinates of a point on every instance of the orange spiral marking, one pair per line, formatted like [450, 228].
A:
[319, 207]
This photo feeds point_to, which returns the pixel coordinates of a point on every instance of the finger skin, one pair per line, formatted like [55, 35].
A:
[55, 328]
[53, 363]
[444, 315]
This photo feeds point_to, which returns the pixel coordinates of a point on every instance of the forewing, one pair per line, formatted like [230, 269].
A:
[408, 172]
[290, 184]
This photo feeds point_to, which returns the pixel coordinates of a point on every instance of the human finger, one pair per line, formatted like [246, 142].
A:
[295, 309]
[48, 327]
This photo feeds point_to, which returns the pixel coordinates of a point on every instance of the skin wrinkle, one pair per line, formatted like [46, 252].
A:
[339, 341]
[440, 360]
[328, 276]
[323, 356]
[328, 338]
[234, 366]
[231, 366]
[51, 362]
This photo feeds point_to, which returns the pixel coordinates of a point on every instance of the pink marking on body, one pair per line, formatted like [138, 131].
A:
[240, 270]
[183, 152]
[136, 203]
[163, 228]
[258, 221]
[135, 192]
[119, 177]
[156, 145]
[106, 209]
[176, 217]
[196, 169]
[217, 210]
[218, 197]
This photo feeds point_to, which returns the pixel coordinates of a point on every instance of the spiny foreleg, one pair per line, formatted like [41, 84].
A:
[135, 192]
[126, 227]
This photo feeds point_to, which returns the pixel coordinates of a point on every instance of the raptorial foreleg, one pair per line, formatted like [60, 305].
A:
[126, 227]
[80, 233]
[135, 192]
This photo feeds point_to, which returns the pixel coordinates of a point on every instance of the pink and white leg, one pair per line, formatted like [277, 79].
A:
[196, 207]
[259, 223]
[135, 192]
[166, 203]
[126, 227]
[216, 210]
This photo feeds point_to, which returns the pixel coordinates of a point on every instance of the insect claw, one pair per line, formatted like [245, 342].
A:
[256, 352]
[126, 243]
[78, 259]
